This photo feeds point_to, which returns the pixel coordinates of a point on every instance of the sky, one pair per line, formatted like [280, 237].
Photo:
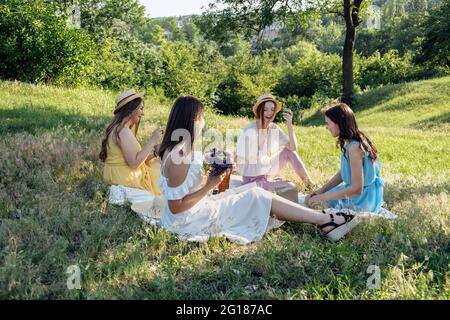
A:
[169, 8]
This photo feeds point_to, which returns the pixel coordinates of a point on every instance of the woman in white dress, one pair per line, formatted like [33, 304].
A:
[242, 215]
[263, 149]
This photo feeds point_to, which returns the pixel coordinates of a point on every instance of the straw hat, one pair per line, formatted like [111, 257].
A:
[264, 98]
[126, 97]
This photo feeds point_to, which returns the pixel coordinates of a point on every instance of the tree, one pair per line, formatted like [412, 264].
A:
[352, 21]
[253, 16]
[436, 45]
[37, 46]
[99, 17]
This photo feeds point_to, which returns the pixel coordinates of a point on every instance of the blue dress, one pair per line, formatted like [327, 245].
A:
[371, 199]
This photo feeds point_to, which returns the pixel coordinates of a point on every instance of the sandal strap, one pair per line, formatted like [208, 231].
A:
[329, 224]
[347, 217]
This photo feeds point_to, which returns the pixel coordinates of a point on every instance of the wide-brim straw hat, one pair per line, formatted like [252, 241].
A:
[264, 98]
[126, 97]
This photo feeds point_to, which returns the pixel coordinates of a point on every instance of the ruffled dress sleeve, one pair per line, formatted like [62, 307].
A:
[191, 182]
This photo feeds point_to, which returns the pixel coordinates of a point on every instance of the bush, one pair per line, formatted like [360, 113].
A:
[386, 69]
[247, 78]
[113, 71]
[312, 72]
[186, 69]
[37, 46]
[297, 105]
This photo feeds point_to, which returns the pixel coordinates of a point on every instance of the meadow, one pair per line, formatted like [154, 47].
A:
[54, 211]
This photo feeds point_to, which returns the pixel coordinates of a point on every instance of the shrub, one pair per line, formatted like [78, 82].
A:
[113, 71]
[312, 72]
[385, 69]
[297, 105]
[247, 78]
[37, 46]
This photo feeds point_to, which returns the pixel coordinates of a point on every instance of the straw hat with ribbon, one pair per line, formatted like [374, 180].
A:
[265, 98]
[126, 97]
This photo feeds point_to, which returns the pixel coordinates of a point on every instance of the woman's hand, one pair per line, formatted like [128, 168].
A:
[309, 196]
[315, 200]
[156, 135]
[156, 148]
[214, 181]
[287, 116]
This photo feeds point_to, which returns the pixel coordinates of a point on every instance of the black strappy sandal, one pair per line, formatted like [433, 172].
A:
[339, 230]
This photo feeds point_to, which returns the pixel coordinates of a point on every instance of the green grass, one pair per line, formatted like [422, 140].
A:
[416, 105]
[54, 211]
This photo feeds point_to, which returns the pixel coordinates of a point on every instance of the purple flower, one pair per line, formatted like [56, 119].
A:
[218, 161]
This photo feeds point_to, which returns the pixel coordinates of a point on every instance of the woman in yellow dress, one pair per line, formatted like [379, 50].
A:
[126, 162]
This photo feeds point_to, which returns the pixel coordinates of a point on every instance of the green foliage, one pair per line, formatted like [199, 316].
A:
[389, 68]
[403, 34]
[436, 45]
[54, 209]
[297, 105]
[118, 48]
[100, 17]
[313, 72]
[112, 70]
[190, 70]
[247, 78]
[37, 46]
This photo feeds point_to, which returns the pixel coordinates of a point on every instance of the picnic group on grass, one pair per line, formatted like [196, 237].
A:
[174, 170]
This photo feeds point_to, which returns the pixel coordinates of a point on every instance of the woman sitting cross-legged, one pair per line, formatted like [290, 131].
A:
[243, 214]
[360, 168]
[126, 163]
[263, 149]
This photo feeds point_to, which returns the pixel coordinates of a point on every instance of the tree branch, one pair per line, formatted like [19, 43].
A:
[355, 12]
[336, 12]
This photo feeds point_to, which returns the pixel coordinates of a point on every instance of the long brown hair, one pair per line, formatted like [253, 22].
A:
[343, 116]
[185, 111]
[117, 123]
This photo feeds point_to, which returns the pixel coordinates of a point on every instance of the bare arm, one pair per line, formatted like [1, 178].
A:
[292, 145]
[154, 154]
[181, 205]
[128, 145]
[333, 182]
[356, 164]
[176, 174]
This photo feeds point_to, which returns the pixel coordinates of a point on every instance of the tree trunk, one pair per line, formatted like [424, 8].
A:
[347, 55]
[347, 65]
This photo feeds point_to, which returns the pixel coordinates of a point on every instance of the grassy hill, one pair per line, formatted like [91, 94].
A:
[417, 105]
[54, 211]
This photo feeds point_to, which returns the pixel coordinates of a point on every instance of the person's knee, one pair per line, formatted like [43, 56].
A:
[290, 155]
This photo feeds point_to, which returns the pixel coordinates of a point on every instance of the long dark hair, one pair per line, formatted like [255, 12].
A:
[185, 111]
[117, 124]
[343, 116]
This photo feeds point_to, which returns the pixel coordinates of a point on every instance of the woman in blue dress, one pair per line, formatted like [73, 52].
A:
[362, 188]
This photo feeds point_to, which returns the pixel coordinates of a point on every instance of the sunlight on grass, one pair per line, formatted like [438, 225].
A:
[54, 211]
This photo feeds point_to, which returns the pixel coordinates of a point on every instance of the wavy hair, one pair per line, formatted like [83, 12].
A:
[117, 123]
[343, 116]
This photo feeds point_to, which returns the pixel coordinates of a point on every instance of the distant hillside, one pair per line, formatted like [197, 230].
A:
[420, 105]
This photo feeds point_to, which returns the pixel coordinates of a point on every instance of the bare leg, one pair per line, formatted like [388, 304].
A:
[287, 156]
[289, 211]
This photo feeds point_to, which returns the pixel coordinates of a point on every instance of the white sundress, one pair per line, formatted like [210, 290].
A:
[241, 214]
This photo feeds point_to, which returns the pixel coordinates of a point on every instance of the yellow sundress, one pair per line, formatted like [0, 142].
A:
[117, 172]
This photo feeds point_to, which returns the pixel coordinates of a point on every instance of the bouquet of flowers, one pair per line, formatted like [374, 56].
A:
[218, 162]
